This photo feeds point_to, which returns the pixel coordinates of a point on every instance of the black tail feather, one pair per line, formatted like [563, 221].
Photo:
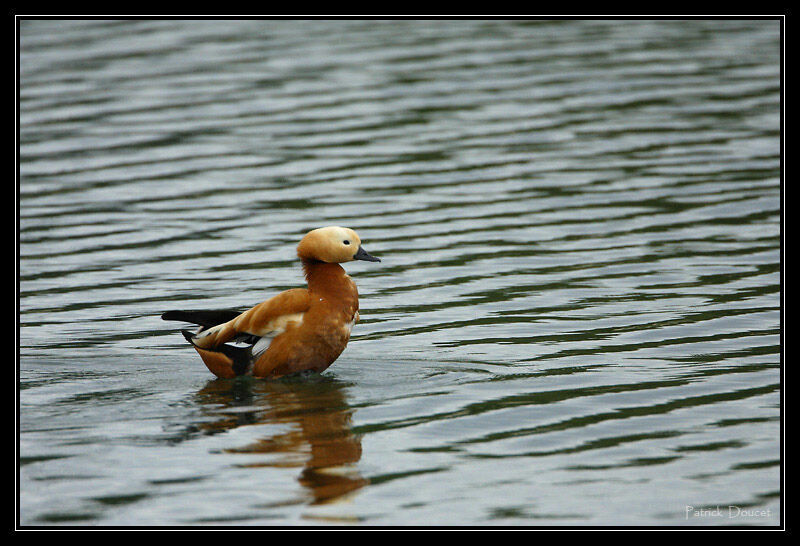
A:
[206, 318]
[241, 357]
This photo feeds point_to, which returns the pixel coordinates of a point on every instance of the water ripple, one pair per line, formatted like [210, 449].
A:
[577, 312]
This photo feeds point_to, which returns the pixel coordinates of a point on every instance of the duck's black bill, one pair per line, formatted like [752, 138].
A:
[364, 255]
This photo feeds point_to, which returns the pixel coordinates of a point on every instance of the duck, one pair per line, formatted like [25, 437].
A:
[298, 330]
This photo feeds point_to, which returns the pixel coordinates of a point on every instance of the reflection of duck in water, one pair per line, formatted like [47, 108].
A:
[297, 330]
[320, 438]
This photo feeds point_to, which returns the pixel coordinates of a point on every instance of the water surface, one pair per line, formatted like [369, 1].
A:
[577, 316]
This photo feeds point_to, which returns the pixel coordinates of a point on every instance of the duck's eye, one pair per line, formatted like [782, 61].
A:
[346, 242]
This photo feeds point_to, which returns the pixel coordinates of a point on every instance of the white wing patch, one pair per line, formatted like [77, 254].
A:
[278, 325]
[274, 328]
[262, 345]
[266, 332]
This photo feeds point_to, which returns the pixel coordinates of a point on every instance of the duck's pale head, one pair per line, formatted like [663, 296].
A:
[333, 244]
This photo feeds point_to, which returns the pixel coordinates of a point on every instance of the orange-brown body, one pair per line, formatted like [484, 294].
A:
[296, 330]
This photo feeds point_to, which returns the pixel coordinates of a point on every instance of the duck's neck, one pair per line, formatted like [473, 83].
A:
[324, 278]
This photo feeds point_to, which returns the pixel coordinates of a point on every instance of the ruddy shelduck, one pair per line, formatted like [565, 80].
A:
[297, 330]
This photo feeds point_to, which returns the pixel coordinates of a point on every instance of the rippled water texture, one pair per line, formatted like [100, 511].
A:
[577, 316]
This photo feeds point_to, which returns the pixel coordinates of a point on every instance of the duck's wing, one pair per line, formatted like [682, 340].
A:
[258, 325]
